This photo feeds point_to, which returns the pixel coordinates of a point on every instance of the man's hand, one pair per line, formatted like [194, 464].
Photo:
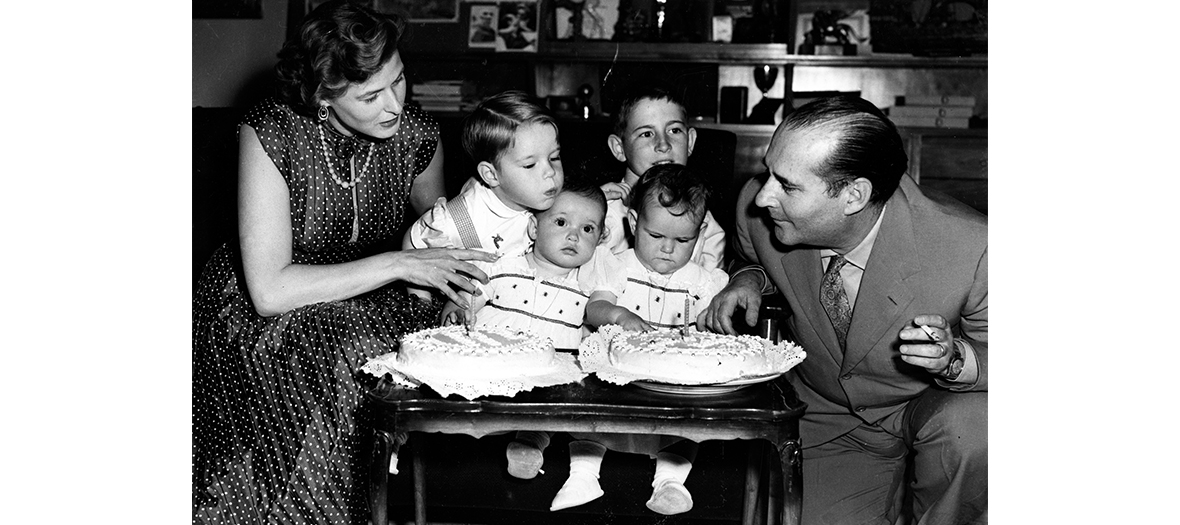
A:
[932, 350]
[745, 291]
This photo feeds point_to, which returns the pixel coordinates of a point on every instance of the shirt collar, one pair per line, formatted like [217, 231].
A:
[484, 194]
[859, 256]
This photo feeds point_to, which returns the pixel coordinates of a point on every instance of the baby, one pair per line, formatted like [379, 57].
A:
[539, 291]
[650, 128]
[648, 288]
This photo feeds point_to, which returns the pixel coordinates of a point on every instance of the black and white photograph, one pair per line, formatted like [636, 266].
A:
[517, 30]
[422, 294]
[482, 26]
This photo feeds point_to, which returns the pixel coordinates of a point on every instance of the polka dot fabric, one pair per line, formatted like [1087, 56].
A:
[280, 429]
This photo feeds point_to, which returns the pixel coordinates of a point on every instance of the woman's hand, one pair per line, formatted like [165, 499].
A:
[443, 269]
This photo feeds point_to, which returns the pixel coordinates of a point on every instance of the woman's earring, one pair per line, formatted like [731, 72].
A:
[323, 113]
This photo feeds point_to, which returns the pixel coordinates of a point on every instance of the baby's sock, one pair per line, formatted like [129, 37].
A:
[526, 453]
[582, 486]
[668, 494]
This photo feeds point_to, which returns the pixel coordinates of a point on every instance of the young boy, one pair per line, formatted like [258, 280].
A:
[650, 128]
[514, 142]
[649, 290]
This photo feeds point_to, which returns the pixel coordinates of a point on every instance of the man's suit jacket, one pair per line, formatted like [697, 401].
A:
[930, 257]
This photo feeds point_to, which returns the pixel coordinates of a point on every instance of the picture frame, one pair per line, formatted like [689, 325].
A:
[596, 17]
[429, 11]
[482, 20]
[858, 20]
[517, 28]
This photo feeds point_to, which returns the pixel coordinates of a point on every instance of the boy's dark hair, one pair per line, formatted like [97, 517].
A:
[676, 187]
[641, 92]
[588, 190]
[491, 128]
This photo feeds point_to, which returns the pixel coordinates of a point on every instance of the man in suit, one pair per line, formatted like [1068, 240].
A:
[887, 287]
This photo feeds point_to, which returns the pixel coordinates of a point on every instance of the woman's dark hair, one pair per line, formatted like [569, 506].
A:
[676, 187]
[339, 43]
[867, 144]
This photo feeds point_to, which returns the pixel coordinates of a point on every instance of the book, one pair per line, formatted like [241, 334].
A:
[931, 111]
[930, 122]
[936, 100]
[437, 88]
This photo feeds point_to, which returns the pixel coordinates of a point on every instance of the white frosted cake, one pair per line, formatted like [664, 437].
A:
[695, 357]
[482, 351]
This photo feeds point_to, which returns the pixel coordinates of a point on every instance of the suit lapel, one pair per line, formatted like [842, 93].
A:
[884, 293]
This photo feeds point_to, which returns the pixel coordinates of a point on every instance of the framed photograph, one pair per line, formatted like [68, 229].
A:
[481, 25]
[586, 20]
[420, 10]
[858, 25]
[516, 30]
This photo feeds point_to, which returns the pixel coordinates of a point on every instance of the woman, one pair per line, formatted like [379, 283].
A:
[281, 322]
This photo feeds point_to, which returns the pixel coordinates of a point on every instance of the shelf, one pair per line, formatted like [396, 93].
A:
[707, 53]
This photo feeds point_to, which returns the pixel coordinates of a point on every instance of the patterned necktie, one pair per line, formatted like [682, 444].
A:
[835, 301]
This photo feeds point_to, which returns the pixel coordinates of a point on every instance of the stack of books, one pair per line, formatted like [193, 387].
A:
[932, 111]
[439, 95]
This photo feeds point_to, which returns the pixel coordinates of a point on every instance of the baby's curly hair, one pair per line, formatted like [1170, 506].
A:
[676, 187]
[339, 43]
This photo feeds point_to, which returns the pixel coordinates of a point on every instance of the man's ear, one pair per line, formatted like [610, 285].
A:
[856, 195]
[532, 228]
[692, 139]
[487, 173]
[615, 143]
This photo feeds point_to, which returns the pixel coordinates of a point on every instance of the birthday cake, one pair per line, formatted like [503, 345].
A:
[695, 356]
[478, 351]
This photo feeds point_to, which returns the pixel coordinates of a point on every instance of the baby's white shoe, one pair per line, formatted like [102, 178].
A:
[670, 497]
[579, 489]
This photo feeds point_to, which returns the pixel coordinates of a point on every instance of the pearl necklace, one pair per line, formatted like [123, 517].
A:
[332, 171]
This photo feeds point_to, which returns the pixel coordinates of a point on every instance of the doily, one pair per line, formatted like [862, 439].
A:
[564, 369]
[595, 358]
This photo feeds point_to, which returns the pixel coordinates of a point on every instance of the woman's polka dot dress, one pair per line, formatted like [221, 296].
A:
[280, 433]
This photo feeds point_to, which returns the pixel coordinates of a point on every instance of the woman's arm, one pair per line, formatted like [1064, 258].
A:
[276, 285]
[429, 185]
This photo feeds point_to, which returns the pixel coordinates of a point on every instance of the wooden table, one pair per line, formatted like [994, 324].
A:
[767, 411]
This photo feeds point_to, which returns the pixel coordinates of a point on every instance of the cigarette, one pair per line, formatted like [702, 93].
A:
[929, 332]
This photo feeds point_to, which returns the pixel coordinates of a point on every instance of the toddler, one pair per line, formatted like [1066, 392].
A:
[514, 142]
[649, 289]
[650, 128]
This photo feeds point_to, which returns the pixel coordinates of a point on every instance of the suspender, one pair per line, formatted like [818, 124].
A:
[458, 209]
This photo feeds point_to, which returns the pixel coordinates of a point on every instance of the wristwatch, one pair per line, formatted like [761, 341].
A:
[955, 367]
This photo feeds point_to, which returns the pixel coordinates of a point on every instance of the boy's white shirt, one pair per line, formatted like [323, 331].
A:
[501, 229]
[709, 251]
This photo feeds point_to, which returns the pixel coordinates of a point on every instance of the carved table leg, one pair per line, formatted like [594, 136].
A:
[419, 484]
[379, 483]
[754, 461]
[791, 458]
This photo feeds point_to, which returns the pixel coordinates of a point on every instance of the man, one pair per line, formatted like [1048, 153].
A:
[887, 287]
